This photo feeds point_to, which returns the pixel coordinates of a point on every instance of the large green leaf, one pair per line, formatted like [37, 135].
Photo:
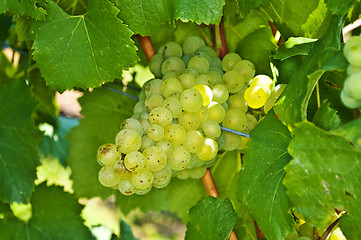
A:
[19, 139]
[212, 218]
[324, 174]
[260, 182]
[340, 7]
[103, 111]
[82, 51]
[25, 7]
[145, 17]
[55, 215]
[245, 6]
[351, 131]
[199, 11]
[292, 104]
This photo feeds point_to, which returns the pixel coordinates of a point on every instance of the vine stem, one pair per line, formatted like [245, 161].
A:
[147, 46]
[329, 229]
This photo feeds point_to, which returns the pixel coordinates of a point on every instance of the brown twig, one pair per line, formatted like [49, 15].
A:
[259, 233]
[147, 46]
[274, 31]
[329, 229]
[224, 48]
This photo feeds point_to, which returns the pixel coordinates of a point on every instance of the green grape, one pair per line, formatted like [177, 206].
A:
[220, 141]
[107, 177]
[146, 142]
[184, 174]
[352, 51]
[155, 64]
[126, 187]
[156, 159]
[246, 68]
[162, 177]
[353, 69]
[166, 147]
[153, 101]
[187, 57]
[171, 74]
[205, 79]
[206, 93]
[202, 114]
[180, 158]
[353, 86]
[191, 100]
[198, 172]
[143, 191]
[209, 150]
[349, 101]
[175, 64]
[238, 101]
[144, 115]
[161, 116]
[292, 236]
[230, 60]
[153, 86]
[211, 129]
[263, 81]
[142, 179]
[192, 43]
[136, 116]
[139, 107]
[216, 112]
[216, 69]
[173, 104]
[256, 96]
[194, 141]
[244, 141]
[204, 54]
[142, 95]
[235, 119]
[217, 62]
[192, 71]
[175, 134]
[145, 124]
[189, 121]
[306, 230]
[120, 170]
[171, 86]
[172, 49]
[108, 154]
[187, 80]
[128, 140]
[155, 132]
[199, 63]
[210, 51]
[132, 124]
[251, 123]
[337, 235]
[195, 161]
[231, 141]
[134, 161]
[220, 93]
[216, 76]
[233, 81]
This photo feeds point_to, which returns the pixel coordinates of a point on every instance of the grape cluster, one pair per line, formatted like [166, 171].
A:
[176, 126]
[351, 92]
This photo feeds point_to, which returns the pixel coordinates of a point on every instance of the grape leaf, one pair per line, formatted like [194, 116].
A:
[225, 174]
[326, 117]
[199, 11]
[103, 111]
[5, 23]
[294, 47]
[26, 7]
[55, 215]
[292, 104]
[145, 17]
[259, 185]
[72, 7]
[324, 174]
[82, 51]
[351, 131]
[340, 7]
[211, 218]
[19, 139]
[245, 6]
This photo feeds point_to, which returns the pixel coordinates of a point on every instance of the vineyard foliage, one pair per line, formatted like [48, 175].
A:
[302, 163]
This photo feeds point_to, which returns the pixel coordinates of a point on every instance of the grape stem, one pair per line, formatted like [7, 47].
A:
[147, 46]
[329, 229]
[222, 33]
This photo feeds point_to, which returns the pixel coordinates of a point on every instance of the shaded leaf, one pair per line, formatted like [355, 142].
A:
[55, 215]
[212, 218]
[323, 175]
[72, 7]
[351, 131]
[25, 7]
[260, 182]
[340, 7]
[19, 140]
[245, 6]
[82, 51]
[326, 117]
